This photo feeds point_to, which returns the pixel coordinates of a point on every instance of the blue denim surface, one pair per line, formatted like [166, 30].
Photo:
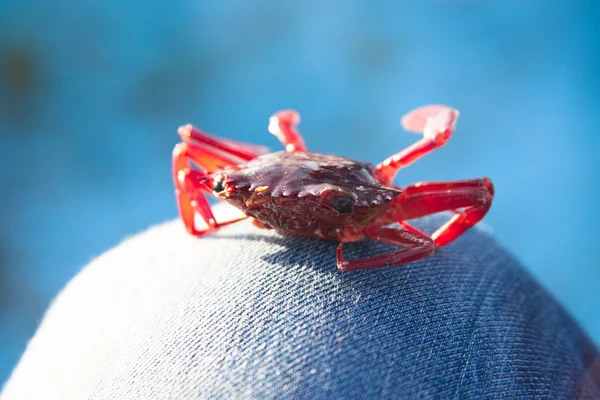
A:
[247, 313]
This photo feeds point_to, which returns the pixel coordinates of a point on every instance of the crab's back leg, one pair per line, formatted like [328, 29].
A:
[416, 246]
[283, 124]
[209, 154]
[469, 199]
[435, 122]
[227, 147]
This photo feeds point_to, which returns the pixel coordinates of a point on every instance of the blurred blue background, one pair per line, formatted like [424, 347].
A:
[91, 94]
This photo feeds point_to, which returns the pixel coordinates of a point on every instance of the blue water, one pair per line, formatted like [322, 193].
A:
[91, 96]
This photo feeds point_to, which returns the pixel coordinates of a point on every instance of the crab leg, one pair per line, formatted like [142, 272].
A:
[244, 151]
[435, 122]
[210, 154]
[283, 125]
[415, 246]
[473, 196]
[192, 200]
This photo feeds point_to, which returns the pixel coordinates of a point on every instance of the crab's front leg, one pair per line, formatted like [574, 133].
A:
[210, 154]
[415, 246]
[435, 122]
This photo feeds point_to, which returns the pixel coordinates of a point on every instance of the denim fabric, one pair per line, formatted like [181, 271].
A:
[251, 314]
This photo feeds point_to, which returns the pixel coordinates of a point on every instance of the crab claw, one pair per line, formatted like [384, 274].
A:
[283, 125]
[435, 122]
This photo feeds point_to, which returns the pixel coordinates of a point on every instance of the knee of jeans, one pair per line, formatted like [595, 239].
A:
[251, 313]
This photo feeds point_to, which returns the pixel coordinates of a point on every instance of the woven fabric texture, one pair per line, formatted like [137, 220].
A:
[251, 314]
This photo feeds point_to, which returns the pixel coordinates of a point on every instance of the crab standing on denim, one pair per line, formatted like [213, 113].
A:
[328, 196]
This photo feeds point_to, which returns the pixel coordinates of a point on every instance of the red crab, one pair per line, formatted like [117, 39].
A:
[328, 196]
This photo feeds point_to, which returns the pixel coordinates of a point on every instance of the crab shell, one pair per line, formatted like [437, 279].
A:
[312, 194]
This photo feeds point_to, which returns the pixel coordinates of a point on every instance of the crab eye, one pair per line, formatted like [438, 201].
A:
[218, 185]
[343, 204]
